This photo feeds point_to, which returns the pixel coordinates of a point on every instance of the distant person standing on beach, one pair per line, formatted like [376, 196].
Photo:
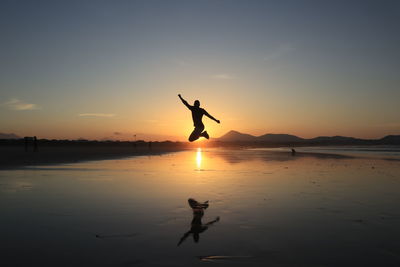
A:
[197, 115]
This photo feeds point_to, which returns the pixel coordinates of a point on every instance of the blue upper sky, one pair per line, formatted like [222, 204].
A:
[304, 67]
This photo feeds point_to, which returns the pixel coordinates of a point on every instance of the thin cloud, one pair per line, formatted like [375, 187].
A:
[282, 50]
[16, 104]
[223, 76]
[104, 115]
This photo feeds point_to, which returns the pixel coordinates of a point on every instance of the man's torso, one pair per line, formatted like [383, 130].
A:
[197, 115]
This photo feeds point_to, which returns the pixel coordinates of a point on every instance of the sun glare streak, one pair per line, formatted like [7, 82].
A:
[198, 158]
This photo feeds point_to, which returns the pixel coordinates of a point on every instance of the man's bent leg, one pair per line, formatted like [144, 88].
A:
[205, 135]
[196, 134]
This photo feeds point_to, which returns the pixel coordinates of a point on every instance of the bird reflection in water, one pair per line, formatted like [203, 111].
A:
[197, 226]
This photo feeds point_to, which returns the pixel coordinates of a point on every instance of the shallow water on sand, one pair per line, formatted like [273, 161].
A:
[275, 209]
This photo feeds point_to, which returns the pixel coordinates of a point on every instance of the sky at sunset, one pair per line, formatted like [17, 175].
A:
[113, 69]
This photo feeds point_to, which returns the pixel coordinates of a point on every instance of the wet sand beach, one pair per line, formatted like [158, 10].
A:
[12, 157]
[264, 209]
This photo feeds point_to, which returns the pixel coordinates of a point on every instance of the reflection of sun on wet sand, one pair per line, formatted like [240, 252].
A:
[198, 158]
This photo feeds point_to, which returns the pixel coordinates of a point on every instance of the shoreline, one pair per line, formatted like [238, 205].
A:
[14, 157]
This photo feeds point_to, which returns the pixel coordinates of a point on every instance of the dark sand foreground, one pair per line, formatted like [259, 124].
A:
[264, 209]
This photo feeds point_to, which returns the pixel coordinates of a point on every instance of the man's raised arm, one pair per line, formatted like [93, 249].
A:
[211, 117]
[184, 102]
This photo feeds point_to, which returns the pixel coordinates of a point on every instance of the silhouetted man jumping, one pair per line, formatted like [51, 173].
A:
[197, 115]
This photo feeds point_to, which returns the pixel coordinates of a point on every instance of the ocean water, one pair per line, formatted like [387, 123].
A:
[265, 208]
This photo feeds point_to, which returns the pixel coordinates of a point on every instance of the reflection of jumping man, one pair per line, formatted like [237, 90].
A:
[197, 115]
[197, 227]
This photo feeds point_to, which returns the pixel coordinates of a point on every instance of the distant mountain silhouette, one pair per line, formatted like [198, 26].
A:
[333, 138]
[234, 136]
[9, 136]
[391, 139]
[279, 138]
[237, 137]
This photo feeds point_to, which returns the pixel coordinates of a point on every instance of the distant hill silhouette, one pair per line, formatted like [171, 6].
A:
[334, 138]
[279, 138]
[391, 139]
[9, 136]
[234, 136]
[287, 139]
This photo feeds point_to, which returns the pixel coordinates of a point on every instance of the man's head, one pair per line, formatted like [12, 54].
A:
[197, 103]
